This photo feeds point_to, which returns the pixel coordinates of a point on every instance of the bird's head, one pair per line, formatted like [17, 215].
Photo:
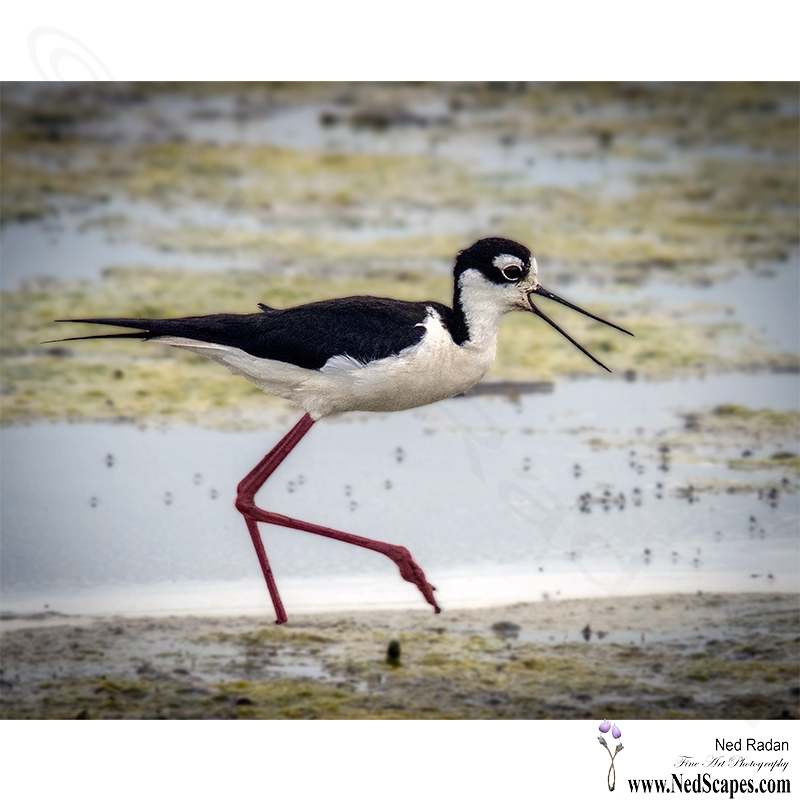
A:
[495, 276]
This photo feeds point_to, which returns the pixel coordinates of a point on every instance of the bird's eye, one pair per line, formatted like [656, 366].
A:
[512, 272]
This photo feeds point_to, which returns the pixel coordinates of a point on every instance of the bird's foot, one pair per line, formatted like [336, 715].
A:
[412, 572]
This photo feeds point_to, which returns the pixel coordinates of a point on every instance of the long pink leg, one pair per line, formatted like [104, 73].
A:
[245, 503]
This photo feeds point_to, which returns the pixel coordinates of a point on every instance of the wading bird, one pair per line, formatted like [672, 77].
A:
[361, 354]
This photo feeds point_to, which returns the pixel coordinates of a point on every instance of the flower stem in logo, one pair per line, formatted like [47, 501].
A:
[605, 726]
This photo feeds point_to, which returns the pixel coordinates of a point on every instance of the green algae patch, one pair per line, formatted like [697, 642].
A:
[249, 179]
[737, 417]
[788, 463]
[750, 430]
[274, 636]
[125, 390]
[287, 699]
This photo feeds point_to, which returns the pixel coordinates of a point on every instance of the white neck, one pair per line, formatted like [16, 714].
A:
[484, 304]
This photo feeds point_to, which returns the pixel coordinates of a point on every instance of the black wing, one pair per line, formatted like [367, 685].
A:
[364, 328]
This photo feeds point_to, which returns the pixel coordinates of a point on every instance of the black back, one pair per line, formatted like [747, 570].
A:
[364, 328]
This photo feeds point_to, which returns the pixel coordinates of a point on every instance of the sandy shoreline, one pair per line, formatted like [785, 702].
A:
[702, 656]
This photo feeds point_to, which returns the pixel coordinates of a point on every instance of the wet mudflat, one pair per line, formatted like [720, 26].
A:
[666, 656]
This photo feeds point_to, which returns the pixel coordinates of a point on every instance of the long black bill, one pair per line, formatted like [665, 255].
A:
[542, 292]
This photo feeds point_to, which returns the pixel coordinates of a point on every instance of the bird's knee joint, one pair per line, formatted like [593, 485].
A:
[403, 553]
[244, 504]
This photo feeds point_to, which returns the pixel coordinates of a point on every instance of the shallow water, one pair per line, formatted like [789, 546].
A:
[482, 493]
[765, 302]
[72, 246]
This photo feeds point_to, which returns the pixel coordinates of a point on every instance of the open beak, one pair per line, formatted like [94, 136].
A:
[542, 292]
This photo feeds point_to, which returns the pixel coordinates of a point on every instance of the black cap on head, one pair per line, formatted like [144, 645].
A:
[482, 254]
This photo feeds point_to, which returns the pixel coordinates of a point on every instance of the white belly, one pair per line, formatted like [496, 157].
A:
[434, 369]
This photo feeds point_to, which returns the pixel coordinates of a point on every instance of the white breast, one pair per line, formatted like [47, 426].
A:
[434, 369]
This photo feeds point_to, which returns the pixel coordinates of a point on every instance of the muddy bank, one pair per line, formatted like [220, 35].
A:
[662, 656]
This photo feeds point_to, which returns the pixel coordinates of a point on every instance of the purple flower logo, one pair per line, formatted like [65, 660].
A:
[606, 726]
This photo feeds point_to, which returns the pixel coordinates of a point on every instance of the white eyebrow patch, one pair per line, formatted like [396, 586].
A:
[505, 260]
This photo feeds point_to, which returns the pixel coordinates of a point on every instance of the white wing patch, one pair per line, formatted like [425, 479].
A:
[342, 364]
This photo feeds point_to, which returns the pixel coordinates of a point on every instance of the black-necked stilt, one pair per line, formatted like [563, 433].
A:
[361, 354]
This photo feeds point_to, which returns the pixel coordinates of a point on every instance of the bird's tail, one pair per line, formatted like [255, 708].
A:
[216, 328]
[146, 329]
